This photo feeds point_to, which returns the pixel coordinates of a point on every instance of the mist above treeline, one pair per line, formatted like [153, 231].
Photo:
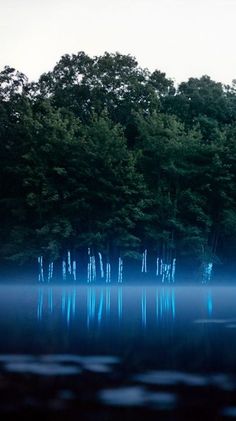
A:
[103, 154]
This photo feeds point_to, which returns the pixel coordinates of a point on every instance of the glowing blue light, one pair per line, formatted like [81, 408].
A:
[209, 304]
[73, 302]
[68, 309]
[40, 305]
[100, 308]
[173, 303]
[50, 300]
[108, 300]
[120, 303]
[144, 308]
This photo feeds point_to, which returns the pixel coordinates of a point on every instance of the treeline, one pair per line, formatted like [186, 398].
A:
[101, 153]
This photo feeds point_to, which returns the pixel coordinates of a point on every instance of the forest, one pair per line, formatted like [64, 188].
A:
[100, 153]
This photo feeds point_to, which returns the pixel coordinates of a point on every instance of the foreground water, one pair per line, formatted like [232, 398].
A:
[118, 352]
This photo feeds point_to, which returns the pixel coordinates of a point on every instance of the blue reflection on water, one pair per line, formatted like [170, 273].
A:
[113, 303]
[173, 302]
[165, 304]
[108, 301]
[144, 307]
[40, 304]
[101, 301]
[120, 303]
[91, 305]
[68, 313]
[73, 302]
[144, 320]
[209, 303]
[63, 302]
[100, 308]
[50, 300]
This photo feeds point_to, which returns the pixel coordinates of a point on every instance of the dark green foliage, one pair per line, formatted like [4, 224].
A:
[100, 153]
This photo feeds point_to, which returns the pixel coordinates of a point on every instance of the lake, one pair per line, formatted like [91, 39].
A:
[101, 353]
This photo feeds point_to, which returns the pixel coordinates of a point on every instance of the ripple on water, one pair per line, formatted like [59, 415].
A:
[61, 358]
[138, 396]
[123, 396]
[99, 364]
[42, 369]
[15, 358]
[223, 381]
[170, 378]
[58, 364]
[80, 359]
[215, 321]
[162, 400]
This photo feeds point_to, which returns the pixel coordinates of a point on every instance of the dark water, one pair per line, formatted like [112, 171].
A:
[118, 352]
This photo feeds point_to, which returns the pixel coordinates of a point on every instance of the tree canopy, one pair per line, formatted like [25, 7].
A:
[102, 153]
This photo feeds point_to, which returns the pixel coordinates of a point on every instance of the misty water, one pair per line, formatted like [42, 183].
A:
[152, 349]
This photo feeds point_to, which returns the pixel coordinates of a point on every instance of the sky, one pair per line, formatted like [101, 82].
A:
[183, 38]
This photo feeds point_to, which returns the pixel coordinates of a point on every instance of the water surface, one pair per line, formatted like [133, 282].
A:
[109, 350]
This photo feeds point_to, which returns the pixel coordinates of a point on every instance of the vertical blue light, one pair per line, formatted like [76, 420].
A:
[100, 308]
[93, 303]
[157, 305]
[173, 303]
[50, 300]
[89, 305]
[40, 304]
[108, 301]
[73, 302]
[120, 303]
[161, 303]
[68, 316]
[167, 302]
[63, 302]
[209, 304]
[144, 308]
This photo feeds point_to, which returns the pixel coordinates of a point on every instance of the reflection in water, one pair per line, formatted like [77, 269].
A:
[120, 303]
[68, 313]
[40, 304]
[91, 305]
[108, 301]
[144, 307]
[101, 301]
[165, 304]
[50, 300]
[173, 303]
[167, 356]
[63, 302]
[113, 303]
[73, 302]
[100, 308]
[209, 303]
